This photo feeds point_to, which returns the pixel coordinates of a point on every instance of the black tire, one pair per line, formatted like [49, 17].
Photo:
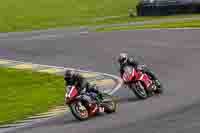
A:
[76, 114]
[140, 90]
[109, 104]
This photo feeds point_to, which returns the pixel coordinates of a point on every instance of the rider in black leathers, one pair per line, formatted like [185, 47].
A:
[124, 60]
[74, 78]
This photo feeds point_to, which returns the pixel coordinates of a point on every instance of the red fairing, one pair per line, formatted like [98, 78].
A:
[128, 77]
[73, 92]
[145, 79]
[93, 109]
[134, 74]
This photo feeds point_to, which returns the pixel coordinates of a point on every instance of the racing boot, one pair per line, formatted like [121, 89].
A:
[158, 84]
[159, 87]
[99, 98]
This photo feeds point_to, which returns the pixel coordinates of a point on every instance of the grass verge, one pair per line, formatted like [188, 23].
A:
[23, 15]
[127, 19]
[189, 24]
[24, 93]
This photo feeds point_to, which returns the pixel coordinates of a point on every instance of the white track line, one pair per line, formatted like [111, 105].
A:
[120, 82]
[153, 29]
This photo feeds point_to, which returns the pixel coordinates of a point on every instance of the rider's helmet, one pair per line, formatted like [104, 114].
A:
[123, 58]
[69, 74]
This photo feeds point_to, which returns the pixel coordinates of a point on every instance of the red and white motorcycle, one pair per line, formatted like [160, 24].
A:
[139, 82]
[81, 109]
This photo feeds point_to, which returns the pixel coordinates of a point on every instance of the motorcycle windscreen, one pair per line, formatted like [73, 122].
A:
[129, 73]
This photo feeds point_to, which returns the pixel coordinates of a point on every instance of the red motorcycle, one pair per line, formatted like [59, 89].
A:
[139, 82]
[83, 106]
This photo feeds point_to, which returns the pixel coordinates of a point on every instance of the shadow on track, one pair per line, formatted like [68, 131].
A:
[127, 100]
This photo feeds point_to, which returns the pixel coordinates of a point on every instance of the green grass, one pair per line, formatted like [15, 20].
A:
[26, 15]
[23, 15]
[127, 19]
[24, 93]
[190, 24]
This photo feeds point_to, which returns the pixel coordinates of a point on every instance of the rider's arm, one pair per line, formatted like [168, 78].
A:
[121, 72]
[83, 83]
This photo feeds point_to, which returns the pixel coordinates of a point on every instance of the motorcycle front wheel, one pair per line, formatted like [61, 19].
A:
[79, 111]
[140, 91]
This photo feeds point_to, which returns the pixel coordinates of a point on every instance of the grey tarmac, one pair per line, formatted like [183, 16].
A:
[173, 54]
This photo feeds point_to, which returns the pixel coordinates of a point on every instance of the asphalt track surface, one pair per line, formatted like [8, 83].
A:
[173, 54]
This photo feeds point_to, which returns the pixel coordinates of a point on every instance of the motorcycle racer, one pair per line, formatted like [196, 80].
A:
[124, 59]
[74, 78]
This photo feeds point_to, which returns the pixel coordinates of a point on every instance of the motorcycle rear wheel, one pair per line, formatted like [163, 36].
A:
[109, 104]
